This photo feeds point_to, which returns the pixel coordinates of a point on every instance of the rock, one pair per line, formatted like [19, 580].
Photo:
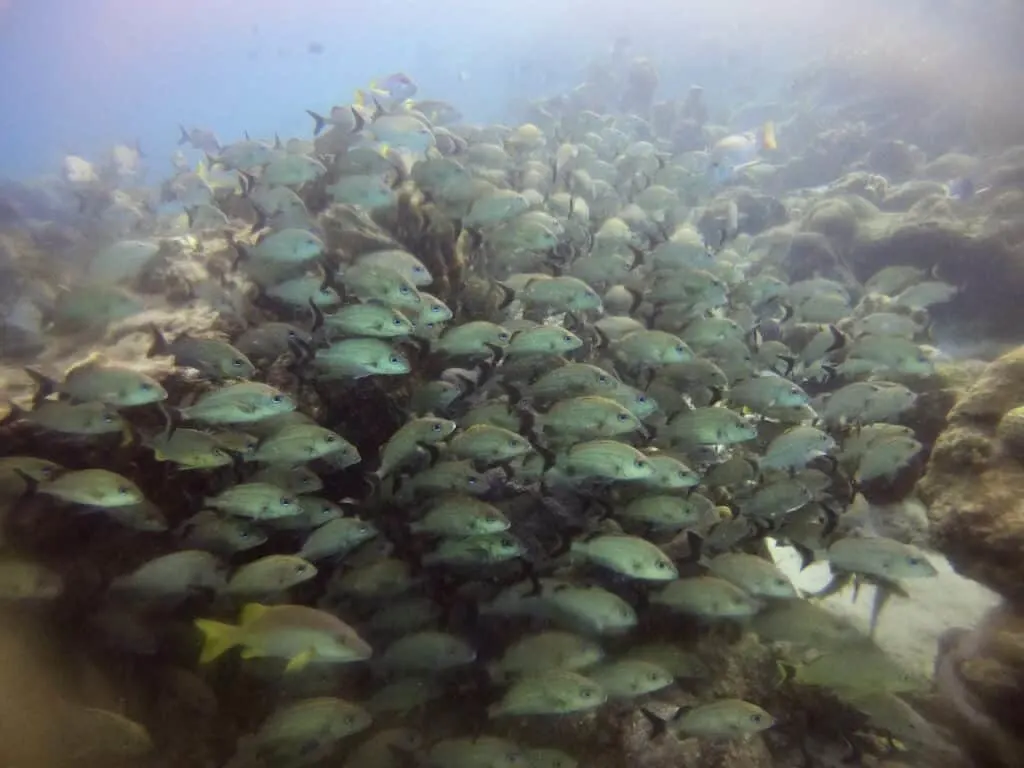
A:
[902, 197]
[981, 262]
[834, 218]
[895, 159]
[975, 482]
[869, 186]
[980, 675]
[951, 165]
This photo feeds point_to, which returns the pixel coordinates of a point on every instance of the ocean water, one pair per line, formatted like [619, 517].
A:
[79, 76]
[796, 593]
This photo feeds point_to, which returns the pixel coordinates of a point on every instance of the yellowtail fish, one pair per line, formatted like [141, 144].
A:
[387, 91]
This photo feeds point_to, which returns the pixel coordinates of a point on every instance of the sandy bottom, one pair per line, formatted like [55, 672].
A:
[908, 628]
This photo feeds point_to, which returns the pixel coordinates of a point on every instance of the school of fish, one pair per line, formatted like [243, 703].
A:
[507, 447]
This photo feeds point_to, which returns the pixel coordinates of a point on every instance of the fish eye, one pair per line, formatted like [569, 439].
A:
[397, 321]
[513, 443]
[660, 565]
[502, 337]
[602, 380]
[437, 427]
[471, 481]
[243, 534]
[292, 335]
[108, 419]
[755, 718]
[145, 386]
[329, 439]
[435, 309]
[300, 567]
[124, 490]
[286, 501]
[914, 560]
[218, 452]
[237, 362]
[679, 348]
[623, 417]
[277, 399]
[639, 463]
[641, 398]
[395, 360]
[403, 289]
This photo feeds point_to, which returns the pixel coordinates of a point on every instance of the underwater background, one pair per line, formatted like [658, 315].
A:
[531, 384]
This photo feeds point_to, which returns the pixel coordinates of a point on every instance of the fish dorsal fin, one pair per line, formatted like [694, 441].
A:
[94, 360]
[251, 612]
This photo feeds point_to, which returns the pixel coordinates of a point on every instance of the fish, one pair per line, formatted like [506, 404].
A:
[720, 719]
[173, 576]
[629, 555]
[95, 380]
[857, 671]
[554, 692]
[270, 575]
[189, 449]
[208, 530]
[92, 487]
[256, 500]
[296, 634]
[391, 89]
[544, 651]
[630, 678]
[82, 419]
[297, 443]
[457, 516]
[336, 538]
[303, 730]
[475, 550]
[239, 403]
[879, 556]
[427, 651]
[706, 597]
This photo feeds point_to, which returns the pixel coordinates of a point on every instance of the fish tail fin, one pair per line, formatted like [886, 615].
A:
[360, 120]
[218, 639]
[183, 139]
[359, 99]
[659, 727]
[785, 673]
[241, 254]
[45, 386]
[768, 141]
[318, 121]
[159, 347]
[246, 182]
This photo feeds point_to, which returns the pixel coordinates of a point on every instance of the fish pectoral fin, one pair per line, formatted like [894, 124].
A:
[300, 661]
